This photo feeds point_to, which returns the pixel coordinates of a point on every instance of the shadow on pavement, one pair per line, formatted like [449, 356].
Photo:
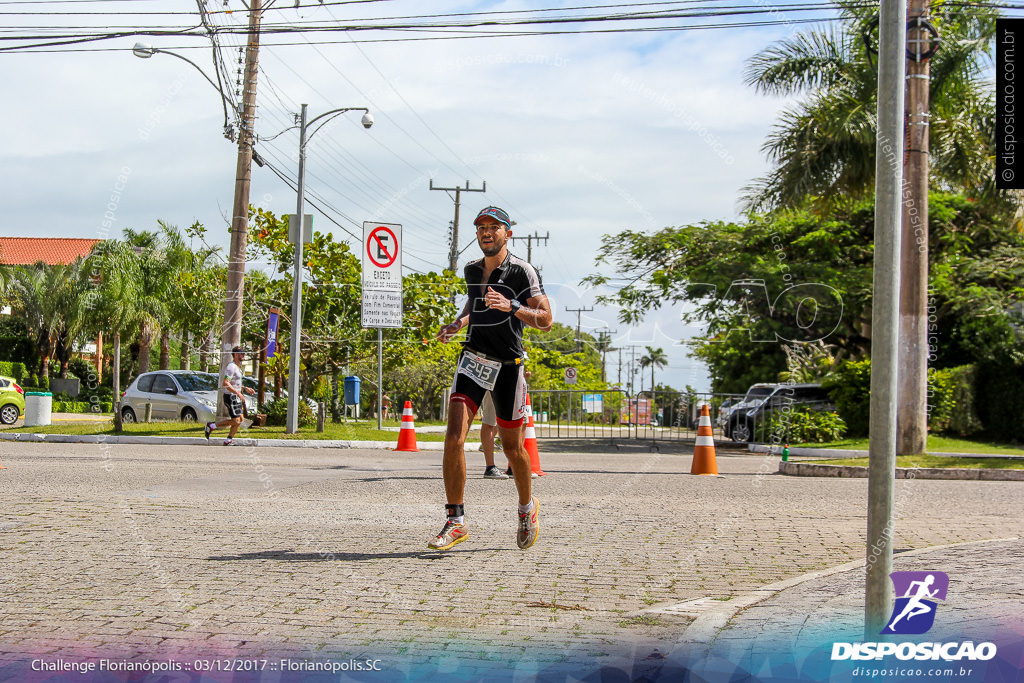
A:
[291, 556]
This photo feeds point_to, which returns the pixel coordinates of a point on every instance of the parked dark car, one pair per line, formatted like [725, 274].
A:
[750, 420]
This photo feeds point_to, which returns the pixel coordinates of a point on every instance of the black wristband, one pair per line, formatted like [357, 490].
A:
[515, 306]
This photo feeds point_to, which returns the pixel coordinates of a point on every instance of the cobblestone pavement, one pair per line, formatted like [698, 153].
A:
[156, 550]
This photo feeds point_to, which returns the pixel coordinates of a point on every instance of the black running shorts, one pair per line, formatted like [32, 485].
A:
[508, 394]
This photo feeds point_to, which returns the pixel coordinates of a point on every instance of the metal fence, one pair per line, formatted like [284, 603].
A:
[614, 415]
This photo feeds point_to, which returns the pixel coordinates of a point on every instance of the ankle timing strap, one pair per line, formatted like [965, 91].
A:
[455, 509]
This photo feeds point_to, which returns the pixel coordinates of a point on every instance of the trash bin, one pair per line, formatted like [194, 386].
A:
[38, 405]
[352, 391]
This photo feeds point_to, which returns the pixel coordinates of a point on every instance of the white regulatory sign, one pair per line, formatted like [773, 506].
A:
[382, 275]
[382, 256]
[570, 375]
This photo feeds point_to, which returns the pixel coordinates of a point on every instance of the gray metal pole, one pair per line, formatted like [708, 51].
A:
[292, 420]
[380, 373]
[885, 314]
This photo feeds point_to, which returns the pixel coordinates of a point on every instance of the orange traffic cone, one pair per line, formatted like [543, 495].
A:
[704, 449]
[407, 434]
[530, 441]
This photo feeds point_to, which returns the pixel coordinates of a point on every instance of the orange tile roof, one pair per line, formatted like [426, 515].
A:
[16, 251]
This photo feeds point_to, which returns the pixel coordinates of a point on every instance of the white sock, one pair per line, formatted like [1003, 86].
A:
[461, 519]
[526, 508]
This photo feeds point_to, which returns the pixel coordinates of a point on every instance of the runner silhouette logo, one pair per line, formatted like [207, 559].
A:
[916, 593]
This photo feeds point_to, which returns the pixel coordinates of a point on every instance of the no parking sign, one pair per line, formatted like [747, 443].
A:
[382, 275]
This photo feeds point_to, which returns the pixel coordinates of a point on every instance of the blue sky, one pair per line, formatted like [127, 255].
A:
[576, 135]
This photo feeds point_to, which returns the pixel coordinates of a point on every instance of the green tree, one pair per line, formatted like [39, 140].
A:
[655, 358]
[195, 283]
[823, 147]
[797, 276]
[153, 287]
[51, 300]
[113, 299]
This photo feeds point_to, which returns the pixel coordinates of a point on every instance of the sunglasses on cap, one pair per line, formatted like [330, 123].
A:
[497, 214]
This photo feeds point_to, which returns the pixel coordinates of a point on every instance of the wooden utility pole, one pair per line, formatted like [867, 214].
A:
[453, 254]
[529, 243]
[231, 333]
[578, 312]
[912, 410]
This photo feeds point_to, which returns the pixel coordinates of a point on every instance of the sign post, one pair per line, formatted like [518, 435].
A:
[382, 288]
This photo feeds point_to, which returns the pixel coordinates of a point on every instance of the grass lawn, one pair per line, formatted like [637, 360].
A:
[351, 431]
[910, 461]
[936, 444]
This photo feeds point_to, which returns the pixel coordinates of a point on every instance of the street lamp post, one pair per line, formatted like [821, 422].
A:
[292, 418]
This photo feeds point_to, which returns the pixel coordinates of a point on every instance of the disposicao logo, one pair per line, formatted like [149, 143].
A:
[913, 614]
[916, 592]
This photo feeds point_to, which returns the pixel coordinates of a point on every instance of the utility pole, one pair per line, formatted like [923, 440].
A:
[578, 312]
[885, 315]
[453, 254]
[529, 243]
[231, 333]
[912, 411]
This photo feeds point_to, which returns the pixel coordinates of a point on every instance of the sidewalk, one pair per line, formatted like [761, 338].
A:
[798, 621]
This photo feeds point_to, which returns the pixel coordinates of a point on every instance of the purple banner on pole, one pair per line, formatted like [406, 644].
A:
[272, 321]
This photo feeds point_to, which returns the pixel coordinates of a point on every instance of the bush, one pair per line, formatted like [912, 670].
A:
[951, 401]
[849, 386]
[12, 369]
[18, 349]
[83, 370]
[807, 426]
[277, 414]
[999, 399]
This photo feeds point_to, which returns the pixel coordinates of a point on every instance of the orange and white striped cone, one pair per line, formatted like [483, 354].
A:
[530, 441]
[704, 449]
[407, 434]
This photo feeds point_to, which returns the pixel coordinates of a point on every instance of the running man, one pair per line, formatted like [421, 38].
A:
[914, 606]
[233, 398]
[505, 293]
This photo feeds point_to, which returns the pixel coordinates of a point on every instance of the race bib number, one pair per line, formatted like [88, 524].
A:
[482, 371]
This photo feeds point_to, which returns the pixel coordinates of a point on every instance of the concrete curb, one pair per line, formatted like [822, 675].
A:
[842, 453]
[199, 441]
[710, 623]
[805, 469]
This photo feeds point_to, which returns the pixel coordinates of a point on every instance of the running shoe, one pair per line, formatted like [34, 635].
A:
[529, 526]
[451, 534]
[228, 442]
[533, 475]
[492, 472]
[209, 428]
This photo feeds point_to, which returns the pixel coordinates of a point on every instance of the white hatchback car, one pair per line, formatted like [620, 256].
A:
[184, 395]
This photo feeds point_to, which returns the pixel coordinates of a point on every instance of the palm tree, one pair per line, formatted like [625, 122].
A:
[71, 300]
[37, 294]
[113, 301]
[655, 358]
[823, 148]
[153, 285]
[192, 283]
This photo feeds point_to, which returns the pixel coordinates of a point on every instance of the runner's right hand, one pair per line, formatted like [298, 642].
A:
[448, 331]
